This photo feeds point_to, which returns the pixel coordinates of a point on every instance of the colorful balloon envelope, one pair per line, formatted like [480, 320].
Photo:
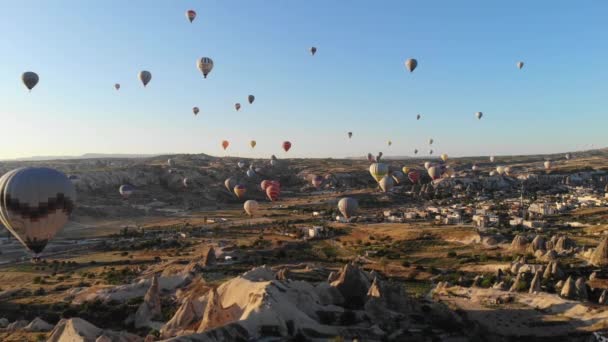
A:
[378, 171]
[252, 143]
[205, 65]
[35, 204]
[434, 172]
[145, 77]
[195, 110]
[414, 176]
[240, 190]
[225, 144]
[411, 64]
[191, 15]
[273, 192]
[230, 183]
[286, 145]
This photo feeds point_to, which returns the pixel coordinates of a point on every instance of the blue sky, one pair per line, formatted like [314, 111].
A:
[467, 52]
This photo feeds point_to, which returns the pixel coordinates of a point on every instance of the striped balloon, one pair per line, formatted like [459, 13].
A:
[378, 171]
[273, 192]
[240, 190]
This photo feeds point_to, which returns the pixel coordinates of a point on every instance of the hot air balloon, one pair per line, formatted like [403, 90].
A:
[414, 176]
[251, 207]
[273, 157]
[386, 183]
[547, 165]
[30, 79]
[500, 170]
[237, 106]
[126, 190]
[398, 176]
[520, 65]
[427, 165]
[411, 64]
[444, 157]
[418, 117]
[474, 167]
[286, 145]
[145, 77]
[350, 135]
[507, 170]
[240, 190]
[370, 158]
[434, 172]
[35, 204]
[265, 183]
[313, 50]
[430, 151]
[317, 181]
[478, 115]
[190, 15]
[170, 162]
[390, 143]
[252, 143]
[274, 162]
[250, 98]
[378, 171]
[348, 207]
[567, 156]
[492, 159]
[250, 173]
[449, 172]
[431, 141]
[241, 164]
[225, 144]
[272, 192]
[205, 65]
[117, 86]
[185, 182]
[416, 151]
[492, 173]
[405, 170]
[195, 110]
[379, 156]
[230, 183]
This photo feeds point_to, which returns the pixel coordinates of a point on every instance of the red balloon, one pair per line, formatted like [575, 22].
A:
[225, 144]
[286, 145]
[273, 192]
[265, 184]
[414, 176]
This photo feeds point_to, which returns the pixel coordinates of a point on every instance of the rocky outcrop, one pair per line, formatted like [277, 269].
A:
[216, 315]
[517, 283]
[603, 300]
[569, 289]
[553, 271]
[519, 244]
[185, 318]
[3, 322]
[38, 325]
[150, 308]
[283, 274]
[209, 258]
[600, 254]
[535, 284]
[538, 244]
[17, 325]
[79, 330]
[353, 283]
[564, 244]
[581, 289]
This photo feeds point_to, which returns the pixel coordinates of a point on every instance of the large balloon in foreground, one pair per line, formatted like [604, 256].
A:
[195, 110]
[265, 184]
[252, 143]
[225, 144]
[240, 190]
[251, 207]
[317, 181]
[272, 192]
[250, 173]
[520, 65]
[30, 79]
[348, 207]
[35, 204]
[145, 77]
[313, 50]
[434, 172]
[205, 65]
[427, 165]
[250, 98]
[286, 145]
[411, 64]
[478, 115]
[386, 183]
[190, 15]
[378, 171]
[126, 190]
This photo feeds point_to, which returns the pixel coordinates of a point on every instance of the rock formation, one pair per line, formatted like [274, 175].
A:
[538, 244]
[38, 325]
[79, 330]
[581, 289]
[569, 289]
[150, 308]
[600, 254]
[519, 244]
[535, 284]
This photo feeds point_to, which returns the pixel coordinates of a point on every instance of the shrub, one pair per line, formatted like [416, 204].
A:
[452, 254]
